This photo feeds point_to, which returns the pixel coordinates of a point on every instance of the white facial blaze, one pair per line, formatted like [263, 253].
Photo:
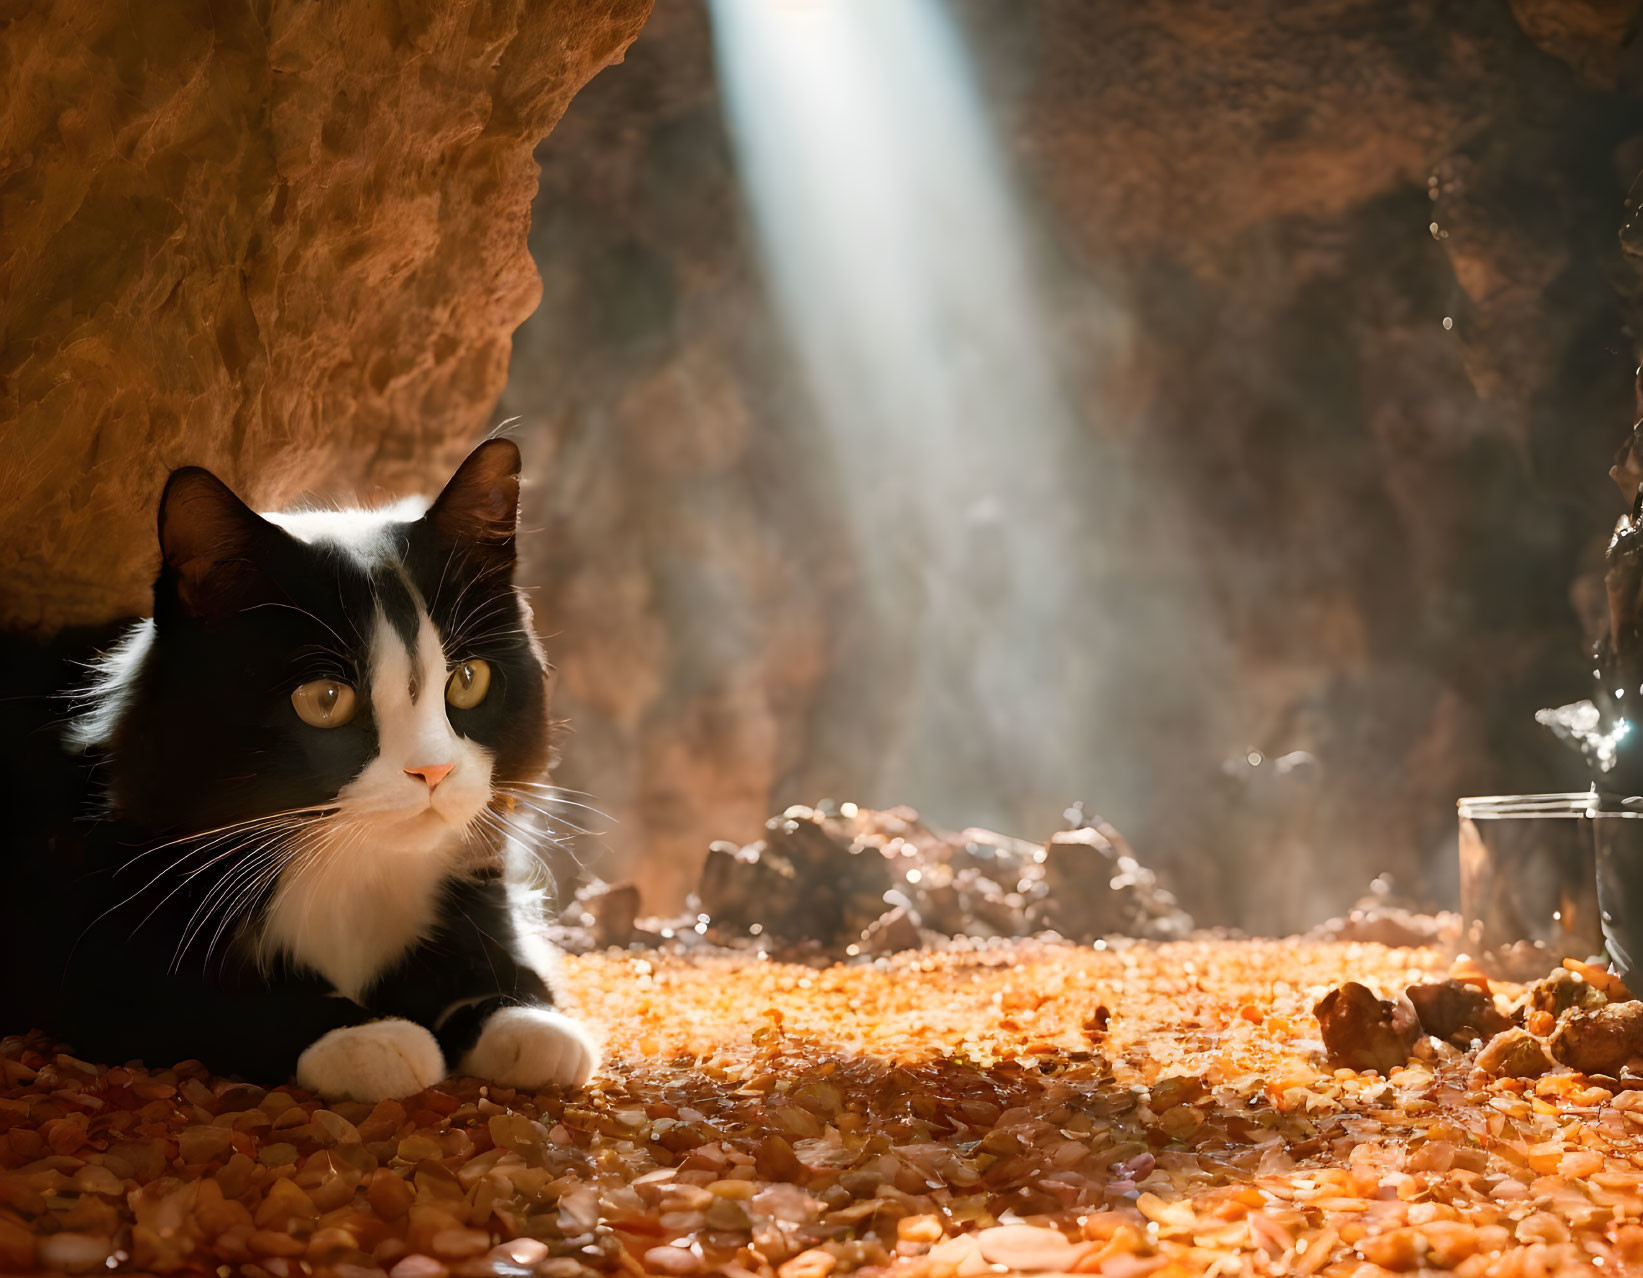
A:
[348, 905]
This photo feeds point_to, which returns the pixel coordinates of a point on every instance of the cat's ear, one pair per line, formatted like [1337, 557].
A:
[481, 503]
[209, 543]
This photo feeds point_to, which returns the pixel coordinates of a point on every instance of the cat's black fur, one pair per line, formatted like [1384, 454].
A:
[105, 865]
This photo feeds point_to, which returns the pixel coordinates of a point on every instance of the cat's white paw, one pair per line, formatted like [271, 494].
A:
[532, 1047]
[381, 1060]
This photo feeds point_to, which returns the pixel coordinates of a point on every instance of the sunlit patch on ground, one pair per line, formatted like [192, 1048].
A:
[1141, 1110]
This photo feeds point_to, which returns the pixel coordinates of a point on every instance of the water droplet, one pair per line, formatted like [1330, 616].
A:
[1448, 322]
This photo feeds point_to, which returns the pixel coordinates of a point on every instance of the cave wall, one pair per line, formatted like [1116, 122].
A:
[1338, 278]
[283, 240]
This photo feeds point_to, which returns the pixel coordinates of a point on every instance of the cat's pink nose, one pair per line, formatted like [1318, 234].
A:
[432, 773]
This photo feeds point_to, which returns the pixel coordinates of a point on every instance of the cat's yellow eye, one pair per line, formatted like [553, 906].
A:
[324, 703]
[468, 684]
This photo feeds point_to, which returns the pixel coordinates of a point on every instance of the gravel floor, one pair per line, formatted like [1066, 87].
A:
[1135, 1110]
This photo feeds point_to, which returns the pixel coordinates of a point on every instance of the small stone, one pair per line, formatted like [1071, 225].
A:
[418, 1146]
[333, 1128]
[1561, 991]
[239, 1096]
[203, 1144]
[75, 1253]
[268, 1242]
[892, 932]
[389, 1195]
[460, 1244]
[96, 1179]
[521, 1251]
[1362, 1032]
[384, 1122]
[325, 1245]
[1514, 1053]
[1456, 1011]
[614, 909]
[674, 1260]
[919, 1229]
[1029, 1248]
[146, 1158]
[728, 1215]
[284, 1202]
[1602, 1040]
[418, 1266]
[18, 1247]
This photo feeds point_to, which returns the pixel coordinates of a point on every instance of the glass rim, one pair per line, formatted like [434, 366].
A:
[1564, 806]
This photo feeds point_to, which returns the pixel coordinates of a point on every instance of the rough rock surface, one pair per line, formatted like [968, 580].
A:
[1561, 991]
[284, 241]
[838, 881]
[1456, 1011]
[1363, 1032]
[1514, 1053]
[1602, 1040]
[1253, 222]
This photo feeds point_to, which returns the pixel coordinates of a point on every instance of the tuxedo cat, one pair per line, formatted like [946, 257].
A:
[312, 764]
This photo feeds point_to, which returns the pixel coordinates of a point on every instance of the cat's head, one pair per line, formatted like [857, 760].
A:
[378, 667]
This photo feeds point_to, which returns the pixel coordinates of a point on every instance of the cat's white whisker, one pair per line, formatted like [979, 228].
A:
[253, 873]
[242, 833]
[256, 860]
[547, 814]
[273, 838]
[554, 795]
[227, 830]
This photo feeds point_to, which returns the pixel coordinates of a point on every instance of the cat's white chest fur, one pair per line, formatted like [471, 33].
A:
[349, 922]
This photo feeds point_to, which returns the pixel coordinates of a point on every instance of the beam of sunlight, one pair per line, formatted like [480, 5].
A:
[897, 260]
[899, 268]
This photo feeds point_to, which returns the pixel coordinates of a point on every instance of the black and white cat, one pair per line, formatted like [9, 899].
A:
[311, 759]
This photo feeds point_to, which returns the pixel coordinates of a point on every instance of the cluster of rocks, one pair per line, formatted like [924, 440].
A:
[1380, 917]
[842, 880]
[1579, 1016]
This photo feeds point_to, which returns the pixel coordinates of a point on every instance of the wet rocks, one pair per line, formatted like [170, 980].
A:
[1457, 1012]
[1515, 1053]
[1364, 1032]
[893, 931]
[1377, 922]
[1561, 991]
[1600, 1040]
[808, 878]
[1094, 886]
[843, 876]
[1029, 1248]
[612, 911]
[840, 880]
